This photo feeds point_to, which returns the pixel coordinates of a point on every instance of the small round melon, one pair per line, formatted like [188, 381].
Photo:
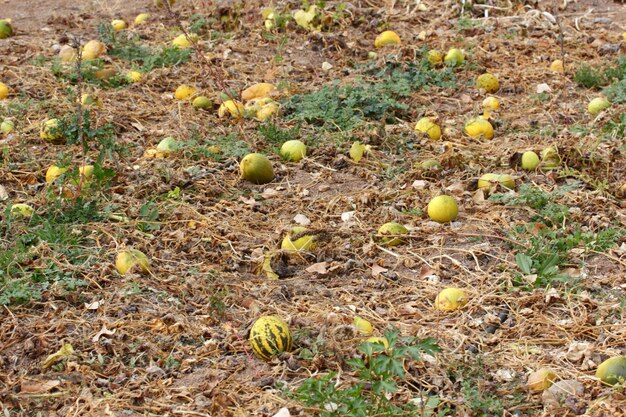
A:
[118, 25]
[4, 91]
[454, 57]
[6, 29]
[7, 126]
[488, 180]
[427, 126]
[141, 18]
[488, 82]
[612, 370]
[597, 105]
[50, 131]
[270, 336]
[54, 172]
[202, 102]
[363, 326]
[392, 228]
[450, 299]
[541, 379]
[557, 66]
[478, 127]
[530, 161]
[22, 210]
[129, 259]
[435, 57]
[256, 168]
[388, 37]
[93, 49]
[293, 150]
[184, 92]
[443, 209]
[182, 41]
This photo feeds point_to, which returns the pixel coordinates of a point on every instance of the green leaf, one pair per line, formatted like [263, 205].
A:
[524, 262]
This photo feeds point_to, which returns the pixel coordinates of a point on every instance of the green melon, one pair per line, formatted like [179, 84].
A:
[256, 168]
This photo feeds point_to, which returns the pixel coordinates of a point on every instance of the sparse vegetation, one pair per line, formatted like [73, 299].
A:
[335, 208]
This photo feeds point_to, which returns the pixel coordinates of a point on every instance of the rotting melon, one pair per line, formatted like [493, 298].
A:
[304, 242]
[129, 259]
[270, 336]
[392, 228]
[450, 299]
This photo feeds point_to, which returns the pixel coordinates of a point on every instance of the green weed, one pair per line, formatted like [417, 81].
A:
[89, 70]
[467, 23]
[380, 371]
[218, 148]
[345, 106]
[616, 128]
[149, 217]
[201, 24]
[47, 250]
[612, 78]
[545, 249]
[129, 48]
[588, 77]
[277, 136]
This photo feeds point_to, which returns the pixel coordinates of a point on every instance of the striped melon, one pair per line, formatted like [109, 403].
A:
[270, 336]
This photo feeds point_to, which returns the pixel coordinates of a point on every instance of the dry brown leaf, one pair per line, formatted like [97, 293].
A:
[318, 268]
[103, 332]
[377, 270]
[38, 387]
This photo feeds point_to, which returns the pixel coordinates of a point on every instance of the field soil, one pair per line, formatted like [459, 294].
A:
[543, 265]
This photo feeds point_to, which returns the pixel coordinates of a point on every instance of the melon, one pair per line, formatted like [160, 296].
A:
[530, 161]
[303, 243]
[388, 37]
[270, 336]
[427, 126]
[129, 259]
[51, 131]
[256, 168]
[488, 82]
[443, 209]
[293, 150]
[392, 228]
[613, 370]
[450, 299]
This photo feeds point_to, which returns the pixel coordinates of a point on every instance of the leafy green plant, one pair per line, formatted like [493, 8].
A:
[217, 148]
[89, 74]
[277, 136]
[26, 272]
[129, 48]
[344, 106]
[149, 217]
[588, 77]
[616, 92]
[379, 373]
[544, 249]
[99, 138]
[201, 24]
[481, 402]
[616, 127]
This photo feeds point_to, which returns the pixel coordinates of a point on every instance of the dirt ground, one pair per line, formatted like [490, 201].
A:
[173, 342]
